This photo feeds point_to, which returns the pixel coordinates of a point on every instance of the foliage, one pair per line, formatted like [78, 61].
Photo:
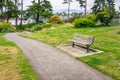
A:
[6, 27]
[104, 9]
[42, 8]
[107, 62]
[47, 25]
[92, 17]
[104, 17]
[70, 20]
[83, 22]
[9, 9]
[81, 2]
[31, 26]
[99, 6]
[55, 19]
[35, 26]
[74, 16]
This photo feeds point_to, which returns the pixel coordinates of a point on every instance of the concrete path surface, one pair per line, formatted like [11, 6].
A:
[53, 64]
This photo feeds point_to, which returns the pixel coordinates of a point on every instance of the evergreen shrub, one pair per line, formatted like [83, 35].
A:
[84, 22]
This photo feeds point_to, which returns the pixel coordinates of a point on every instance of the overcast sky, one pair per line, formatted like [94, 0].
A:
[58, 6]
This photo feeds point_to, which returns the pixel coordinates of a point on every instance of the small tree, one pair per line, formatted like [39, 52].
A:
[8, 9]
[105, 10]
[43, 9]
[104, 16]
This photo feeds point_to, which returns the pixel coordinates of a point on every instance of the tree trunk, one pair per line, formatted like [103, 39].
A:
[8, 19]
[16, 19]
[21, 12]
[85, 8]
[37, 18]
[68, 9]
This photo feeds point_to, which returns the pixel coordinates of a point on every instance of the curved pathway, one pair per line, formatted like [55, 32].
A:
[53, 64]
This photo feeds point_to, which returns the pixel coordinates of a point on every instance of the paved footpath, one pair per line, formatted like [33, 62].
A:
[53, 64]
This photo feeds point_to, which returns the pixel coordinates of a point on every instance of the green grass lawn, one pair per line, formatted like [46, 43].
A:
[106, 39]
[13, 64]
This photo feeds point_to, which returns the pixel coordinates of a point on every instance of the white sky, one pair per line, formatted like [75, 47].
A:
[58, 6]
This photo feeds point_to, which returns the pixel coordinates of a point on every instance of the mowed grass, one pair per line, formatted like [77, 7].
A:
[13, 64]
[106, 39]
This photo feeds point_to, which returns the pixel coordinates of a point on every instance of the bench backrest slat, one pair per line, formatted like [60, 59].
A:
[83, 38]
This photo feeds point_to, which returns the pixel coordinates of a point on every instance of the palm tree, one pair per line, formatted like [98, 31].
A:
[68, 2]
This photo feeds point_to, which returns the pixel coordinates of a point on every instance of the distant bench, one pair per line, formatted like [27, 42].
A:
[82, 40]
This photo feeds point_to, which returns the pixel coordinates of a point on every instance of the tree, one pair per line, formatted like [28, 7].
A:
[106, 8]
[48, 9]
[83, 3]
[8, 9]
[98, 6]
[68, 2]
[40, 9]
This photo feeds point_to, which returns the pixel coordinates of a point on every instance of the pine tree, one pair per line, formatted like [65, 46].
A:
[41, 8]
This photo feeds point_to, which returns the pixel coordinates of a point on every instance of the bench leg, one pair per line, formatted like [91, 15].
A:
[73, 45]
[87, 49]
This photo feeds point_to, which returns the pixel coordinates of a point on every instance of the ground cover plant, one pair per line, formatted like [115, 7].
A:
[107, 39]
[13, 64]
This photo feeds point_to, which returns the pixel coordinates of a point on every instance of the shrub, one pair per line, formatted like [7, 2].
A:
[105, 17]
[47, 25]
[55, 19]
[6, 27]
[37, 27]
[29, 25]
[83, 22]
[70, 20]
[91, 17]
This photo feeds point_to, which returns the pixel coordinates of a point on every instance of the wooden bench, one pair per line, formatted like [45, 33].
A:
[82, 40]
